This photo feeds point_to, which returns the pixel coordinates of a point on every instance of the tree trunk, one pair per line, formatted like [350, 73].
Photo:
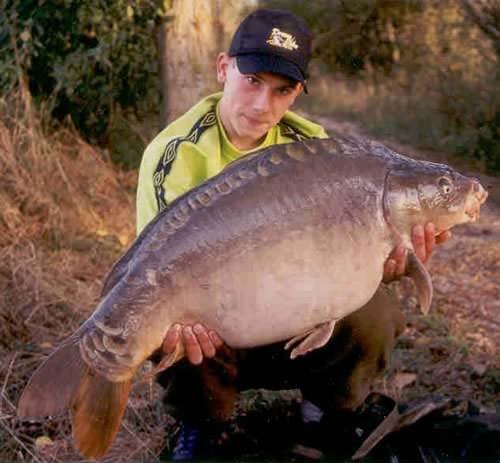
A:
[188, 45]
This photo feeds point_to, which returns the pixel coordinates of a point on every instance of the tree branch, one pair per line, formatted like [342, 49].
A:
[479, 19]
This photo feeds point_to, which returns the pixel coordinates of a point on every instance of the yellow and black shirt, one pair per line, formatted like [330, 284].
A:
[194, 148]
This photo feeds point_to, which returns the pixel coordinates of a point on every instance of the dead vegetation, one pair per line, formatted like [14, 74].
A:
[65, 216]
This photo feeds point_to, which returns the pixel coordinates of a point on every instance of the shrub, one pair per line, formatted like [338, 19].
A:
[87, 58]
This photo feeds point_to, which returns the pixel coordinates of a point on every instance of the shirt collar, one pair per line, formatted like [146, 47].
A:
[228, 149]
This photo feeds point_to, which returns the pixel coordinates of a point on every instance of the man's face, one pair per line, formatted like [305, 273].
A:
[252, 103]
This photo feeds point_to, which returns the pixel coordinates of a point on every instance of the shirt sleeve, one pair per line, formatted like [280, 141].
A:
[160, 182]
[299, 128]
[322, 133]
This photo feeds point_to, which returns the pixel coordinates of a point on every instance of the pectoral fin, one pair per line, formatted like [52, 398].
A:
[311, 340]
[419, 274]
[166, 362]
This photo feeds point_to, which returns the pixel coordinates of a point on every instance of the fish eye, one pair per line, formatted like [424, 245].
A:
[445, 184]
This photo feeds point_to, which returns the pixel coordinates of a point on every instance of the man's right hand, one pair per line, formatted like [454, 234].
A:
[199, 343]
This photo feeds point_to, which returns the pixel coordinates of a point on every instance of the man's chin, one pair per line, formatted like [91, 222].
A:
[257, 135]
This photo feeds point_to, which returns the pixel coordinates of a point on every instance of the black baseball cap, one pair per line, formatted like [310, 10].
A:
[273, 41]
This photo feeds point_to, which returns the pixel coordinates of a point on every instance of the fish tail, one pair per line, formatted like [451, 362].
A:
[64, 381]
[97, 413]
[51, 389]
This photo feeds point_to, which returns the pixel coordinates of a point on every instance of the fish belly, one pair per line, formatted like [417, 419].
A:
[274, 292]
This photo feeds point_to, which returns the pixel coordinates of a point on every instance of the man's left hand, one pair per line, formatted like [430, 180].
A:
[424, 239]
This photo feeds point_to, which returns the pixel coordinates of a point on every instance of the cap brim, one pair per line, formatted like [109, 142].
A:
[254, 63]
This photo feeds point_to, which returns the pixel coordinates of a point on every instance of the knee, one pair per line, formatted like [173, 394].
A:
[219, 379]
[220, 395]
[379, 322]
[373, 330]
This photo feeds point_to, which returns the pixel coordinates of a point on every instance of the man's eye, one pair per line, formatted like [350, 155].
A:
[285, 91]
[252, 80]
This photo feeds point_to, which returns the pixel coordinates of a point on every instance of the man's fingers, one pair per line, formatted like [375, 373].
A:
[418, 240]
[430, 239]
[216, 340]
[198, 342]
[193, 349]
[171, 339]
[389, 268]
[206, 344]
[400, 259]
[395, 265]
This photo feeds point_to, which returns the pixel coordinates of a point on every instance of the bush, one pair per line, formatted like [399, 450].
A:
[86, 58]
[423, 72]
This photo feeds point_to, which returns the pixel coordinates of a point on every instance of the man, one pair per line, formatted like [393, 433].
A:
[262, 74]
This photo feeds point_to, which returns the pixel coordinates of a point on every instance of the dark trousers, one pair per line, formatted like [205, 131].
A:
[336, 377]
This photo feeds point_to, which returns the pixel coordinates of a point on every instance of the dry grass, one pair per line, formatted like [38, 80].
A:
[65, 216]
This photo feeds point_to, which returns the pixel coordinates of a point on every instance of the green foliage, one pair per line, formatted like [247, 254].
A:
[87, 57]
[424, 72]
[356, 35]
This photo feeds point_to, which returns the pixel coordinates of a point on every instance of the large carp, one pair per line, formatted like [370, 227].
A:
[280, 245]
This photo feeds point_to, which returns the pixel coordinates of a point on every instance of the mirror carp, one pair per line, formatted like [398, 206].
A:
[278, 246]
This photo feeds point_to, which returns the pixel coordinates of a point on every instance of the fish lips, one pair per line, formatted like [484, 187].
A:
[476, 198]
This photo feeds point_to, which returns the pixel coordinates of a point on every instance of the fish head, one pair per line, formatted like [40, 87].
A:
[418, 192]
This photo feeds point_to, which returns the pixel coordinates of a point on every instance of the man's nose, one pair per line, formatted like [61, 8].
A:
[263, 101]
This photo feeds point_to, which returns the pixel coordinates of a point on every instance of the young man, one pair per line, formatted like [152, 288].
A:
[262, 74]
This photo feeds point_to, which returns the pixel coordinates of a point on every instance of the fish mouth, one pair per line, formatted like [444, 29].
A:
[476, 198]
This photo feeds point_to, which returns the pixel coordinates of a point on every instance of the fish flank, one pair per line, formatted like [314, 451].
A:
[116, 345]
[295, 151]
[262, 170]
[108, 329]
[95, 336]
[276, 158]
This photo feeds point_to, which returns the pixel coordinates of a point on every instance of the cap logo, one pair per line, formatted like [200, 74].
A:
[282, 39]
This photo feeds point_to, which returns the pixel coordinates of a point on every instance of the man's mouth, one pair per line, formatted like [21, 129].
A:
[254, 121]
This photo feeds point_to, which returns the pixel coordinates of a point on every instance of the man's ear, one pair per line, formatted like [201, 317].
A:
[223, 61]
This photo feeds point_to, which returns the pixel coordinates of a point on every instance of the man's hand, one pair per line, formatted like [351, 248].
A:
[424, 239]
[199, 343]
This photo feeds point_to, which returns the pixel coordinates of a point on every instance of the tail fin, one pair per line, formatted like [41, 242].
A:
[53, 386]
[65, 382]
[97, 413]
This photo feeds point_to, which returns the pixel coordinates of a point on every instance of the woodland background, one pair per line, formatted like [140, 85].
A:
[422, 71]
[84, 86]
